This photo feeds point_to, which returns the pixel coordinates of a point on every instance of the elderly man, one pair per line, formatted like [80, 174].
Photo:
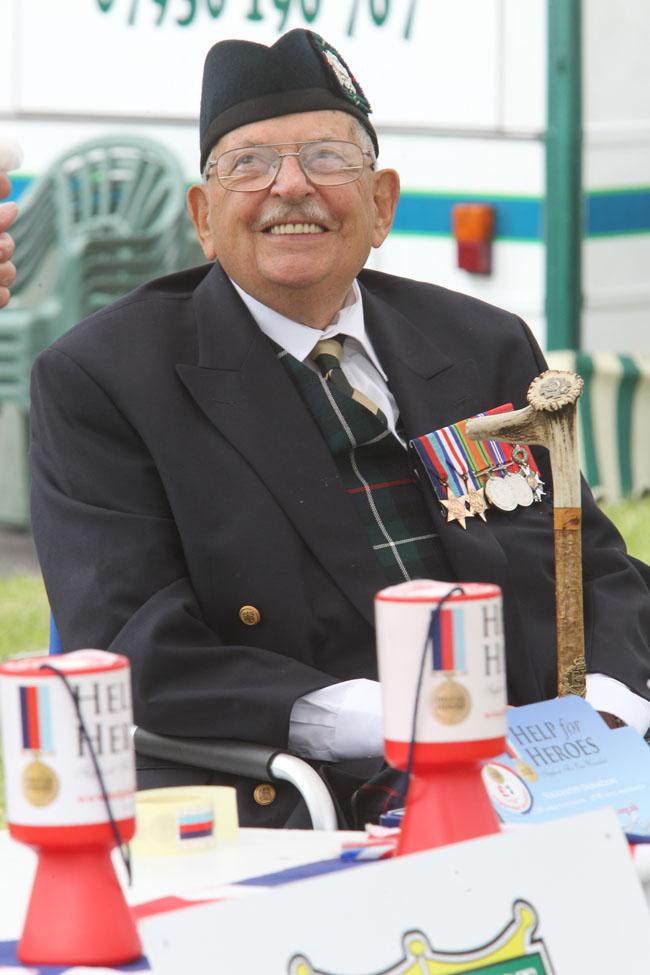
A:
[219, 496]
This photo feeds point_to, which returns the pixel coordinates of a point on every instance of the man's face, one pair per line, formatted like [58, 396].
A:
[330, 228]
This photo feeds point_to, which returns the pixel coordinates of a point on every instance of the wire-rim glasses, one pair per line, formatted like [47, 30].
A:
[329, 162]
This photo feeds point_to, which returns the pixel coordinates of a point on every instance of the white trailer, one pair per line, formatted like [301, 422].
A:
[537, 108]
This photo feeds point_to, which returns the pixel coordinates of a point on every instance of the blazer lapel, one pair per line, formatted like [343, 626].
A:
[431, 389]
[244, 390]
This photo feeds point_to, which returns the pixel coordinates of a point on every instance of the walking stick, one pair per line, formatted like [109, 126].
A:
[550, 420]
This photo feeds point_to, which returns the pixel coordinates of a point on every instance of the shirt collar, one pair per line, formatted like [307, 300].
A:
[299, 339]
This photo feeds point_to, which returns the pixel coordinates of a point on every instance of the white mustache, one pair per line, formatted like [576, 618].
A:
[307, 212]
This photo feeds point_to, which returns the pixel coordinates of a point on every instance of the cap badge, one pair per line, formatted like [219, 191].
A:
[340, 74]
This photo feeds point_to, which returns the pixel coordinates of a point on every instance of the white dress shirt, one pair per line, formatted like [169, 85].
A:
[359, 360]
[344, 720]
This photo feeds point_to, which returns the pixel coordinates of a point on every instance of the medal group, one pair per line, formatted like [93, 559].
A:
[469, 477]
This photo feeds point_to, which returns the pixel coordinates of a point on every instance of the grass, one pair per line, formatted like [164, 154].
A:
[632, 518]
[24, 612]
[24, 627]
[24, 616]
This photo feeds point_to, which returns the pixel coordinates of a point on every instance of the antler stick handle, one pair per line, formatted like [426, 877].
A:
[550, 420]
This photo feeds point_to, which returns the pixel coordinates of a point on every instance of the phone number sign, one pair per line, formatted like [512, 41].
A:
[139, 58]
[281, 13]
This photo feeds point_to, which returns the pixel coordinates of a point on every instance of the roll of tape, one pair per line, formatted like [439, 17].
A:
[184, 819]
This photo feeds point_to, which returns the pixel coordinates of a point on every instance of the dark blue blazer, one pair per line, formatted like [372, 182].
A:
[178, 476]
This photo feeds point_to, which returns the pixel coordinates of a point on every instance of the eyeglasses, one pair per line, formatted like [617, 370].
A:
[325, 163]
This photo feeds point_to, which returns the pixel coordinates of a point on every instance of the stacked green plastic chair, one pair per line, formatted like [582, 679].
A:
[123, 207]
[106, 216]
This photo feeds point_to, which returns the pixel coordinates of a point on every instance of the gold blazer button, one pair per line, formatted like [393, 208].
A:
[264, 794]
[250, 615]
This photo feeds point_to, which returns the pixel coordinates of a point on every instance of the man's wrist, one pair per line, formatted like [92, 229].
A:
[610, 696]
[337, 722]
[612, 720]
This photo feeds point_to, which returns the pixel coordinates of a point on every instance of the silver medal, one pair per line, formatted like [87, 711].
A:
[499, 493]
[522, 491]
[533, 480]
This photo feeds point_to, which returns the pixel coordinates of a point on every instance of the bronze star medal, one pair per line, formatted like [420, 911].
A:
[476, 501]
[456, 510]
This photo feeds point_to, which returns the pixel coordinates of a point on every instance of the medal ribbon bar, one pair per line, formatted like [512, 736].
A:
[453, 463]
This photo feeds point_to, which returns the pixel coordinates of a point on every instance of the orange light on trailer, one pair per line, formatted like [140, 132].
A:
[473, 229]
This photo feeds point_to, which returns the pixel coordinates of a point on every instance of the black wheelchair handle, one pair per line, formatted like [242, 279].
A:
[247, 759]
[218, 755]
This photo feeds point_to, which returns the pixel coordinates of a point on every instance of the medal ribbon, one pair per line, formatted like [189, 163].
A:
[454, 455]
[425, 448]
[36, 718]
[447, 637]
[496, 452]
[474, 449]
[448, 455]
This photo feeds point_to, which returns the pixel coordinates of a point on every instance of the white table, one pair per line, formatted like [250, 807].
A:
[255, 852]
[200, 875]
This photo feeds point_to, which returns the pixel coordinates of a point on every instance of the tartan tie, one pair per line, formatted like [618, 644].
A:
[327, 356]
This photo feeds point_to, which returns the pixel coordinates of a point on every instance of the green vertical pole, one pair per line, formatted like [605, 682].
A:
[564, 210]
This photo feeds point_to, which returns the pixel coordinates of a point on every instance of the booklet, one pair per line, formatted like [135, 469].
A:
[563, 759]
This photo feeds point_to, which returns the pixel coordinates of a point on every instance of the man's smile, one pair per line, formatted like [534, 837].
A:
[295, 228]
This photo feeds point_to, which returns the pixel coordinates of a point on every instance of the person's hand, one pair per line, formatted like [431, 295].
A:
[8, 212]
[612, 720]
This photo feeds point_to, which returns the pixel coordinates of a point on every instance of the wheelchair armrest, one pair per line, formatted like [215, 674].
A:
[244, 758]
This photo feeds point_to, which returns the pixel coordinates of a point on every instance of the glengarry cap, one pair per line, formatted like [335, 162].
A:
[246, 82]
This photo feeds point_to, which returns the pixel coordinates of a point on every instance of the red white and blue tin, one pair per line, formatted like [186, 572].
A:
[77, 913]
[50, 778]
[462, 700]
